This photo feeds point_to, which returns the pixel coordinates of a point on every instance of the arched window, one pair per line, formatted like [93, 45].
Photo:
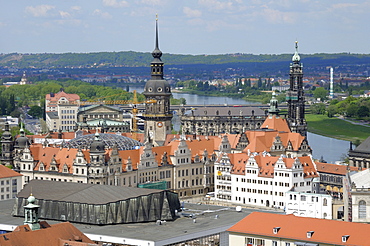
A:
[325, 202]
[362, 209]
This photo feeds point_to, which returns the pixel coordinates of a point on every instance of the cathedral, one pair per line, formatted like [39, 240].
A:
[295, 96]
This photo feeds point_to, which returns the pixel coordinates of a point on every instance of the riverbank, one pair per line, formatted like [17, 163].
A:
[253, 98]
[336, 128]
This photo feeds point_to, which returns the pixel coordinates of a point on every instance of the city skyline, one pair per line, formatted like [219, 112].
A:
[186, 27]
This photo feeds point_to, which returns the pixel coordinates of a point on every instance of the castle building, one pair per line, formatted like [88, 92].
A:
[264, 165]
[213, 121]
[61, 110]
[157, 92]
[295, 96]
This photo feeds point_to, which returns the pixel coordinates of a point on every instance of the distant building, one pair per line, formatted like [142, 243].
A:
[213, 121]
[275, 229]
[107, 118]
[61, 110]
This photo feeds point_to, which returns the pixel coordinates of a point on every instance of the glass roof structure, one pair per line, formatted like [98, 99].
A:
[109, 140]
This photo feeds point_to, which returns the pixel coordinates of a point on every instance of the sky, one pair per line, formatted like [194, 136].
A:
[185, 26]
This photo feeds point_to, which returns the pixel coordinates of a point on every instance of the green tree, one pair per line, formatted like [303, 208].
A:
[351, 110]
[331, 110]
[318, 108]
[320, 93]
[36, 111]
[363, 111]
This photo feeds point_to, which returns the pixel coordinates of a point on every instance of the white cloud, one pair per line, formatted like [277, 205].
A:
[102, 14]
[276, 16]
[73, 22]
[64, 14]
[115, 3]
[40, 10]
[216, 5]
[76, 8]
[153, 2]
[192, 13]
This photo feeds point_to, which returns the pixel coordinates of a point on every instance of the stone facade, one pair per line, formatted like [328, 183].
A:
[213, 121]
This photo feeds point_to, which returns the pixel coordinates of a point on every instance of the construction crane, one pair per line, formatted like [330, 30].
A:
[134, 114]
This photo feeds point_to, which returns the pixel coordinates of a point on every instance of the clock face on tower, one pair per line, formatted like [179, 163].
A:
[159, 124]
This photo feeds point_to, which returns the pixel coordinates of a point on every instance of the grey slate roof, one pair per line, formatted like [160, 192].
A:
[364, 147]
[53, 115]
[226, 111]
[81, 193]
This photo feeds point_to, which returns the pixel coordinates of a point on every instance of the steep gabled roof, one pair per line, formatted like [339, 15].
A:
[296, 228]
[260, 141]
[276, 123]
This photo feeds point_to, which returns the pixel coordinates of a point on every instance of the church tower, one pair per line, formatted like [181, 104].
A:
[7, 145]
[295, 96]
[157, 92]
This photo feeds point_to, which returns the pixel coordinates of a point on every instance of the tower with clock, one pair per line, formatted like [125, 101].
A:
[157, 92]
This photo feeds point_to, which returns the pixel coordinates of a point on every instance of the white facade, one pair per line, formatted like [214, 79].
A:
[258, 185]
[309, 205]
[10, 183]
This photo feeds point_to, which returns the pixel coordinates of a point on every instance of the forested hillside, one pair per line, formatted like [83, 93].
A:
[139, 59]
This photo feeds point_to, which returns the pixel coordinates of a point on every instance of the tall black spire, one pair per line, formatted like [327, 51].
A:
[157, 64]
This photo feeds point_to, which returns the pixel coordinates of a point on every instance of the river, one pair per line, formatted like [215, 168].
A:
[330, 149]
[193, 99]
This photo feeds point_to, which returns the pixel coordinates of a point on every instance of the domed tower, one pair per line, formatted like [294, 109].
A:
[157, 92]
[274, 108]
[7, 145]
[295, 96]
[97, 173]
[21, 142]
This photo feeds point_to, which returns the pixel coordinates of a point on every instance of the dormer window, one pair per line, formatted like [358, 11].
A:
[309, 234]
[275, 230]
[345, 238]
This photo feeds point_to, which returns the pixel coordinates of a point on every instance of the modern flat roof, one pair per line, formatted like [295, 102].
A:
[209, 219]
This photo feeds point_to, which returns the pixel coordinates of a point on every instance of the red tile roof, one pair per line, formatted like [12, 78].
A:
[296, 228]
[276, 123]
[7, 172]
[267, 163]
[334, 168]
[57, 234]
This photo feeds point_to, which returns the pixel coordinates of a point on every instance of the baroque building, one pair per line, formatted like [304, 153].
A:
[157, 92]
[295, 96]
